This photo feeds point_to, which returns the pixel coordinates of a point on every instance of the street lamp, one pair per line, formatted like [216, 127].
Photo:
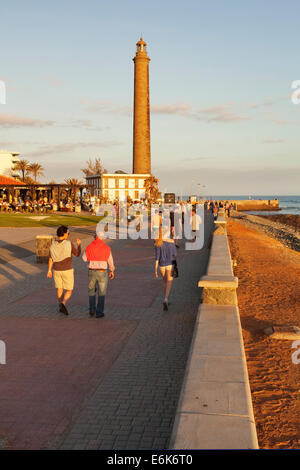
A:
[200, 186]
[191, 189]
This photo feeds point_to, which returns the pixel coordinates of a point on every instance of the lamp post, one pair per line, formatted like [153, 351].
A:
[191, 189]
[203, 186]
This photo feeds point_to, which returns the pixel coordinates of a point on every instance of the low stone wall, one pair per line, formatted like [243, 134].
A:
[215, 406]
[219, 285]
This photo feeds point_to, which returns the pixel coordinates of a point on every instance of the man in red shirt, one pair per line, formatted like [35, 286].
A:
[99, 256]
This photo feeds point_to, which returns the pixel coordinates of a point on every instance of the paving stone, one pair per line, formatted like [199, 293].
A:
[125, 400]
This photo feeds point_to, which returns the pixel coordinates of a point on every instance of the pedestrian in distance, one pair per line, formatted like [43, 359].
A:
[196, 222]
[100, 258]
[177, 224]
[215, 212]
[172, 222]
[229, 209]
[165, 260]
[60, 260]
[156, 222]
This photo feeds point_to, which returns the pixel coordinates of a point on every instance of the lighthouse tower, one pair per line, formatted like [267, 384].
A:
[141, 116]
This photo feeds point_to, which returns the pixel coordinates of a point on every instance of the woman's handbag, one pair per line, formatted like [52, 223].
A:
[175, 269]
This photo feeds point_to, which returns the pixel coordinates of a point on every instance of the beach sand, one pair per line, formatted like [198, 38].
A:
[269, 294]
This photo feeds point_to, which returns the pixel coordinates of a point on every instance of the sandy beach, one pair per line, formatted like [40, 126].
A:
[269, 295]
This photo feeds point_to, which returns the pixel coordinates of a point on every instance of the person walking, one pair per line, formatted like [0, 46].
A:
[60, 260]
[215, 212]
[165, 259]
[156, 222]
[229, 209]
[177, 224]
[99, 256]
[196, 222]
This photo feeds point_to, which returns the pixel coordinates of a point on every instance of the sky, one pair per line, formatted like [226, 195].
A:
[221, 74]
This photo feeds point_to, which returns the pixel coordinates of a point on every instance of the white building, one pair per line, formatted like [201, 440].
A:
[95, 181]
[7, 162]
[119, 186]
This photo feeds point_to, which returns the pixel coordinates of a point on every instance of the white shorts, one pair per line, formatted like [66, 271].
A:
[164, 269]
[64, 279]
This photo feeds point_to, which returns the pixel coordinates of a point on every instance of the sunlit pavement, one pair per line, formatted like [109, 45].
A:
[84, 383]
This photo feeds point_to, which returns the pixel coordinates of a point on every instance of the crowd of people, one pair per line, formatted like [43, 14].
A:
[100, 261]
[17, 204]
[39, 205]
[89, 204]
[94, 204]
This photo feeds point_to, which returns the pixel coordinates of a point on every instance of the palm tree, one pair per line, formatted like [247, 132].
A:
[151, 187]
[36, 170]
[28, 180]
[93, 168]
[73, 183]
[23, 167]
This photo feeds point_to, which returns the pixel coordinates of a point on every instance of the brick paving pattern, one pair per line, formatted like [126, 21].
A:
[83, 383]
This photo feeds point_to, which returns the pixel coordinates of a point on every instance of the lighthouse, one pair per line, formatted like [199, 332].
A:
[141, 113]
[122, 186]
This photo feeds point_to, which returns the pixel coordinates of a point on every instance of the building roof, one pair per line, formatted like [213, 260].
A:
[10, 181]
[93, 176]
[127, 175]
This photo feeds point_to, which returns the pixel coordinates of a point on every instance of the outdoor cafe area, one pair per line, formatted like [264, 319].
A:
[20, 197]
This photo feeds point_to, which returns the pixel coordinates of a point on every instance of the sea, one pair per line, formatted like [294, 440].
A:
[287, 204]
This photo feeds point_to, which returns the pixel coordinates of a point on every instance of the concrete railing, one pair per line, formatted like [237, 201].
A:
[215, 406]
[219, 284]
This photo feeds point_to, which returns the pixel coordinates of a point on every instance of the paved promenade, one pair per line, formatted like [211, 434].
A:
[83, 383]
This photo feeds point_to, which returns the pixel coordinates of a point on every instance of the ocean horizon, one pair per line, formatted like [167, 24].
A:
[287, 204]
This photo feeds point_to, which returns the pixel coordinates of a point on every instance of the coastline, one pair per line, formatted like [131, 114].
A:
[291, 220]
[284, 228]
[268, 295]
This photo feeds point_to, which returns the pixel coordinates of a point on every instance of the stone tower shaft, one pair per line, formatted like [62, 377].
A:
[141, 116]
